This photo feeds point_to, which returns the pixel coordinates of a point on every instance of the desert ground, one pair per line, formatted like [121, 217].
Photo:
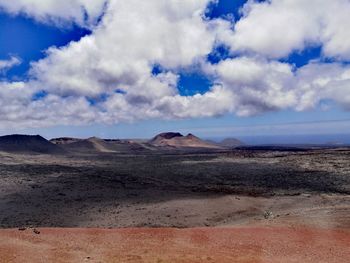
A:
[227, 245]
[176, 206]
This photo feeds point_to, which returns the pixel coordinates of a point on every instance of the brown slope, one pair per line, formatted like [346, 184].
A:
[95, 144]
[177, 140]
[88, 145]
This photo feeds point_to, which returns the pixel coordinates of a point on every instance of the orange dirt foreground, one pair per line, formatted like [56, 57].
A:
[254, 244]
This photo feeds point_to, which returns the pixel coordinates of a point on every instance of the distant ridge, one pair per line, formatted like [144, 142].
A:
[177, 140]
[17, 143]
[228, 143]
[162, 141]
[98, 145]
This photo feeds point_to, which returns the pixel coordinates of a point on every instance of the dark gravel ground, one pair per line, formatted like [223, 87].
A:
[67, 191]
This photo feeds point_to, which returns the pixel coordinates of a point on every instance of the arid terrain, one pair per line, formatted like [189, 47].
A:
[227, 245]
[267, 204]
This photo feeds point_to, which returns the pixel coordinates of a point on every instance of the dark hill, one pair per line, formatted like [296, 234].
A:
[28, 144]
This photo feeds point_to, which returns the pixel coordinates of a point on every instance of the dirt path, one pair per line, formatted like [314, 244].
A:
[246, 244]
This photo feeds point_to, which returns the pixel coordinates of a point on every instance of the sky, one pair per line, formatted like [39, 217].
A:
[216, 68]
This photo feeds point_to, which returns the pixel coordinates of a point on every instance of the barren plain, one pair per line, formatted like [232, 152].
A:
[175, 189]
[267, 204]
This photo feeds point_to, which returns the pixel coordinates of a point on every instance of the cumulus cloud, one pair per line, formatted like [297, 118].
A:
[120, 53]
[7, 64]
[108, 75]
[260, 85]
[18, 109]
[82, 12]
[318, 81]
[275, 28]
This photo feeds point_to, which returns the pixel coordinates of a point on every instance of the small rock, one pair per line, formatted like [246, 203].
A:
[268, 215]
[22, 229]
[36, 231]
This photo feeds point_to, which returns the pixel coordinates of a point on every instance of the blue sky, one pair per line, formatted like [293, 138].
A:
[24, 36]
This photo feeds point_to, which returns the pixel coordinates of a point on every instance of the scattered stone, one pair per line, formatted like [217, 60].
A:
[36, 231]
[22, 229]
[268, 214]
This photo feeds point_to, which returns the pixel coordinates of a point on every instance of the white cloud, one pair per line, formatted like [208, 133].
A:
[317, 82]
[276, 28]
[258, 85]
[18, 110]
[121, 52]
[7, 64]
[82, 12]
[135, 35]
[261, 85]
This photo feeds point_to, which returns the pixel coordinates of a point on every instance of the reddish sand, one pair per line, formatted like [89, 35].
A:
[254, 244]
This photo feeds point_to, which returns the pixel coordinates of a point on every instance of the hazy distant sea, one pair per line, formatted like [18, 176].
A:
[335, 139]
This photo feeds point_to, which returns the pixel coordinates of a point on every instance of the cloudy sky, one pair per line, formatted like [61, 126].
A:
[131, 68]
